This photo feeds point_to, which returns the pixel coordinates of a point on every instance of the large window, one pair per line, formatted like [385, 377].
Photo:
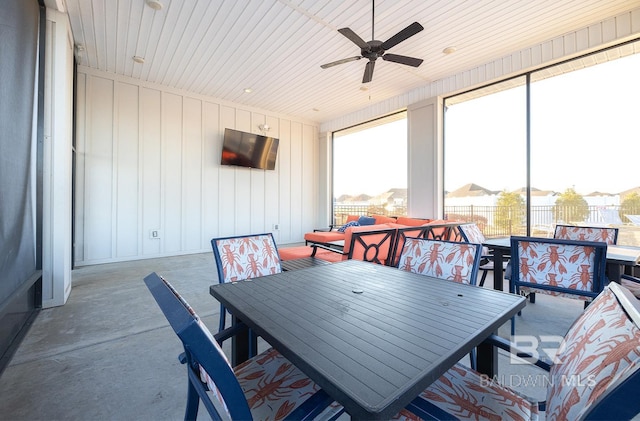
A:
[565, 151]
[370, 168]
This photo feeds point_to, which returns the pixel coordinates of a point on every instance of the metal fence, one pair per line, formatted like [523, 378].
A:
[543, 218]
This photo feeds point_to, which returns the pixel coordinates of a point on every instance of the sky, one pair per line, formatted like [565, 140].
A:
[361, 160]
[585, 135]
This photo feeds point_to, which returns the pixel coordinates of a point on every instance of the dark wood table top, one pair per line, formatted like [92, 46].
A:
[373, 337]
[302, 263]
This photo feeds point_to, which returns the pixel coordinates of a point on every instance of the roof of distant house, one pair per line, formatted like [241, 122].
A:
[599, 193]
[627, 192]
[471, 189]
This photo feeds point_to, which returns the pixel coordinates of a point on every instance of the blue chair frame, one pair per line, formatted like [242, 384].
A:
[200, 351]
[599, 278]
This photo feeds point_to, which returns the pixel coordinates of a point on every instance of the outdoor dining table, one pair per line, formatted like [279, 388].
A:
[617, 256]
[371, 336]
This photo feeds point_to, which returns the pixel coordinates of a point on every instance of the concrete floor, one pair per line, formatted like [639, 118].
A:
[109, 354]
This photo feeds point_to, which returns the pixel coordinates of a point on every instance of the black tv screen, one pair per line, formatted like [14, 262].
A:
[249, 150]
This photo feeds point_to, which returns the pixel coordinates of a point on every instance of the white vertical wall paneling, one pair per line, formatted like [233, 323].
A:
[99, 170]
[79, 182]
[47, 161]
[258, 179]
[192, 175]
[297, 161]
[57, 160]
[126, 239]
[309, 168]
[227, 193]
[150, 190]
[211, 151]
[114, 172]
[271, 186]
[172, 195]
[422, 165]
[609, 30]
[149, 159]
[595, 35]
[243, 185]
[635, 21]
[284, 180]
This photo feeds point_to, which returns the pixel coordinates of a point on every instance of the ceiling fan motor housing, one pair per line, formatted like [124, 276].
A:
[374, 51]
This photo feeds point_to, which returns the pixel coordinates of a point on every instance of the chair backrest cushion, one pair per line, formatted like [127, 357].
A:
[441, 259]
[245, 257]
[604, 234]
[599, 352]
[471, 233]
[562, 267]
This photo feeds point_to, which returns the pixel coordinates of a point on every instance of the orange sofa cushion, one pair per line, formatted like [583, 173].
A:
[300, 252]
[382, 219]
[412, 222]
[324, 236]
[362, 228]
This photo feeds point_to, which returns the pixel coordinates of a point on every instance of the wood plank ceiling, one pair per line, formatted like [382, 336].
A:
[218, 48]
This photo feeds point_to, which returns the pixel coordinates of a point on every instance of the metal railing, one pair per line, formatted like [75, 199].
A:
[492, 220]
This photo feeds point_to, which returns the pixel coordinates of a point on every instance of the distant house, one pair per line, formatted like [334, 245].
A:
[597, 198]
[472, 194]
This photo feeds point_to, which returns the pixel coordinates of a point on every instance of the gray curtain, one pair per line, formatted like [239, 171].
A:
[19, 21]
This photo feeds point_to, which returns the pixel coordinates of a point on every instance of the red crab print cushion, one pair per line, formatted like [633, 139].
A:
[565, 266]
[248, 257]
[444, 260]
[601, 347]
[463, 393]
[606, 235]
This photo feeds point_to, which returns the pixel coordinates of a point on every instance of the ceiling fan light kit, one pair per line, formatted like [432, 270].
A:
[375, 49]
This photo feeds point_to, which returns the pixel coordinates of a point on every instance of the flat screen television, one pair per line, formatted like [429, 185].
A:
[249, 150]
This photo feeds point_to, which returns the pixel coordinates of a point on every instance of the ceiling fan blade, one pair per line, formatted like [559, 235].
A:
[347, 32]
[344, 60]
[409, 61]
[407, 32]
[368, 72]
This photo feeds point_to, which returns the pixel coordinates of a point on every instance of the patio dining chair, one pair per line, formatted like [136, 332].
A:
[595, 374]
[581, 233]
[266, 386]
[244, 257]
[567, 268]
[584, 233]
[450, 260]
[471, 233]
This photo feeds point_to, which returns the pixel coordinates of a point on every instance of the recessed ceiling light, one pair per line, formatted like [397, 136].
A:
[154, 4]
[138, 59]
[248, 90]
[449, 50]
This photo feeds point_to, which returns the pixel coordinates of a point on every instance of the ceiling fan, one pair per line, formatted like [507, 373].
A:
[374, 49]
